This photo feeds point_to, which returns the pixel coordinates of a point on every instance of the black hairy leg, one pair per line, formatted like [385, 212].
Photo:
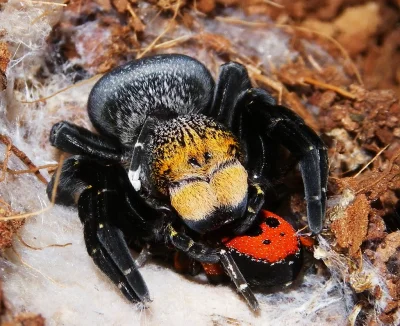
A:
[253, 115]
[107, 204]
[73, 139]
[279, 123]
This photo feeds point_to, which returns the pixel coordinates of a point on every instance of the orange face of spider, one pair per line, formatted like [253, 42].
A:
[197, 164]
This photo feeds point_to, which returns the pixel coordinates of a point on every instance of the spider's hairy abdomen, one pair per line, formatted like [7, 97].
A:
[160, 86]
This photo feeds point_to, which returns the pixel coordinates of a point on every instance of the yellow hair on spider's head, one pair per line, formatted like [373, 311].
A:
[196, 162]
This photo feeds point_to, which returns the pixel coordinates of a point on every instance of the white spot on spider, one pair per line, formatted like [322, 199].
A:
[242, 287]
[311, 148]
[230, 267]
[101, 226]
[127, 271]
[134, 178]
[139, 145]
[120, 285]
[323, 189]
[222, 252]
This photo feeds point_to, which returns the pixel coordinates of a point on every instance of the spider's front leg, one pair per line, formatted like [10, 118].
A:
[260, 124]
[104, 193]
[279, 124]
[73, 139]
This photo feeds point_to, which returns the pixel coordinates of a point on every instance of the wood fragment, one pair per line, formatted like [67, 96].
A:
[46, 3]
[52, 201]
[42, 99]
[335, 42]
[323, 85]
[138, 25]
[22, 156]
[44, 247]
[171, 23]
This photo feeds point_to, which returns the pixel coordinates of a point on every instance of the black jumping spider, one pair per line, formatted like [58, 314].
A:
[178, 157]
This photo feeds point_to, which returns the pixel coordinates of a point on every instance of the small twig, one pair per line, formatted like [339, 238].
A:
[385, 173]
[237, 21]
[137, 20]
[338, 45]
[52, 202]
[314, 63]
[302, 229]
[174, 42]
[41, 167]
[165, 31]
[47, 3]
[274, 4]
[322, 85]
[6, 157]
[35, 269]
[282, 91]
[352, 318]
[22, 156]
[257, 75]
[44, 14]
[372, 160]
[42, 99]
[41, 248]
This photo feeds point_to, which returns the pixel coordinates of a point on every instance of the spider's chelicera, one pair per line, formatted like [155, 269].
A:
[178, 157]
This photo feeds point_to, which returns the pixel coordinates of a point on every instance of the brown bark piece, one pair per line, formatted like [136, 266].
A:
[389, 246]
[205, 6]
[355, 32]
[351, 229]
[26, 319]
[4, 60]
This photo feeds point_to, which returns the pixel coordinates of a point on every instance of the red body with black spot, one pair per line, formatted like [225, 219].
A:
[267, 255]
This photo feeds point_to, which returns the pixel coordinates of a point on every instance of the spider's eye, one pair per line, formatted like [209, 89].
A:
[194, 162]
[207, 156]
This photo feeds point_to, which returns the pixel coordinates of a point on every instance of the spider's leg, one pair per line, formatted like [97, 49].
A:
[104, 209]
[238, 279]
[281, 125]
[233, 80]
[196, 250]
[106, 245]
[75, 176]
[232, 86]
[202, 253]
[77, 140]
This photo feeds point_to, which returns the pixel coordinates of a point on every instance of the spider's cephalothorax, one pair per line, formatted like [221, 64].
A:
[176, 155]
